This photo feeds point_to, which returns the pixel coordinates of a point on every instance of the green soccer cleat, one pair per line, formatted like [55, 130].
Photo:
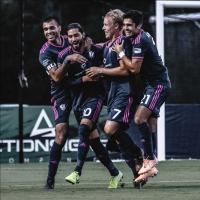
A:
[73, 178]
[115, 180]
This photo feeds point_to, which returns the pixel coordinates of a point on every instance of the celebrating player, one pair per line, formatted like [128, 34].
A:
[119, 89]
[88, 96]
[146, 61]
[60, 97]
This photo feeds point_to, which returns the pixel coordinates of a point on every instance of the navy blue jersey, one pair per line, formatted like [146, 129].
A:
[83, 91]
[117, 84]
[153, 71]
[48, 58]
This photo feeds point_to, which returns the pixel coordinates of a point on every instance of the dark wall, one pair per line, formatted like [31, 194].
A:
[184, 70]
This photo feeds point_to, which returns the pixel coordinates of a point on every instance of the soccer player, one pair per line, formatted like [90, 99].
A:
[146, 61]
[60, 96]
[88, 96]
[119, 89]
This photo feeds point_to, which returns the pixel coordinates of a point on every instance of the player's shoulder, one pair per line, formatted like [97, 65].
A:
[65, 51]
[96, 48]
[45, 47]
[65, 38]
[146, 37]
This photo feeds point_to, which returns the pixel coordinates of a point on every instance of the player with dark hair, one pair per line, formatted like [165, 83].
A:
[146, 61]
[60, 96]
[88, 96]
[119, 89]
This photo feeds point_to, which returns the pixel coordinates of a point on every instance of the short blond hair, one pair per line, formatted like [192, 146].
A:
[116, 15]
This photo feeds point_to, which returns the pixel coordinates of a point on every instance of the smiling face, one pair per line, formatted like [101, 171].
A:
[130, 28]
[109, 27]
[75, 38]
[52, 31]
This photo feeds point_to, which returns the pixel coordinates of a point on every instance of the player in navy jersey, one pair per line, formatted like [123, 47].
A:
[146, 61]
[88, 96]
[119, 89]
[60, 96]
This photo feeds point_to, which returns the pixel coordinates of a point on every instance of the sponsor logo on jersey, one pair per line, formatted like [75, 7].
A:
[62, 107]
[137, 50]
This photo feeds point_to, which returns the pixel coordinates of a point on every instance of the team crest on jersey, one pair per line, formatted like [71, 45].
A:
[62, 107]
[83, 65]
[137, 50]
[45, 62]
[91, 54]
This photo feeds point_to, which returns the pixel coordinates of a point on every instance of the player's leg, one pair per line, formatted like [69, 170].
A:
[102, 153]
[141, 120]
[130, 152]
[150, 105]
[153, 126]
[84, 130]
[142, 115]
[61, 114]
[119, 116]
[86, 116]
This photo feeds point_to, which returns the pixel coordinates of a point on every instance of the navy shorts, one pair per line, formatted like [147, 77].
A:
[90, 109]
[61, 107]
[120, 109]
[154, 97]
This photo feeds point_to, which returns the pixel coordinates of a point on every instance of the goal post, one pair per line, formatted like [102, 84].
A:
[160, 6]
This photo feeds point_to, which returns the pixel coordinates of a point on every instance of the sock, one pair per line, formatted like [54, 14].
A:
[83, 146]
[154, 142]
[130, 151]
[147, 137]
[102, 155]
[55, 156]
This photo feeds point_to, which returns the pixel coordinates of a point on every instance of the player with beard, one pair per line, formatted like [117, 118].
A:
[60, 95]
[88, 96]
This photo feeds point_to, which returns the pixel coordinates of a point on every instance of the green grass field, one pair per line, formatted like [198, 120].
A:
[176, 180]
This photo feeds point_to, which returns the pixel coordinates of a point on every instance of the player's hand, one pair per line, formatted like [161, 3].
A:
[93, 72]
[118, 47]
[87, 79]
[88, 43]
[76, 58]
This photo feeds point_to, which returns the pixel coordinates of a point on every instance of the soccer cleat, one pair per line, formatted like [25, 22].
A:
[144, 177]
[147, 165]
[73, 178]
[115, 180]
[139, 185]
[49, 184]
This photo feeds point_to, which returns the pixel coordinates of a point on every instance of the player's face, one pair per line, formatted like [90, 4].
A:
[129, 27]
[75, 38]
[109, 27]
[51, 30]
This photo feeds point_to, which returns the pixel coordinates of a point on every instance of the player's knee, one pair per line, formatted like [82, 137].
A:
[108, 130]
[139, 120]
[61, 135]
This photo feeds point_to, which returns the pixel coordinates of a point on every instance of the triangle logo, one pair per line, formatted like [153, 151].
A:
[44, 132]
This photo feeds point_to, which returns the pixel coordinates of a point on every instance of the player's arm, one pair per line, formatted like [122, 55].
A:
[134, 64]
[78, 81]
[63, 65]
[101, 71]
[51, 67]
[58, 72]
